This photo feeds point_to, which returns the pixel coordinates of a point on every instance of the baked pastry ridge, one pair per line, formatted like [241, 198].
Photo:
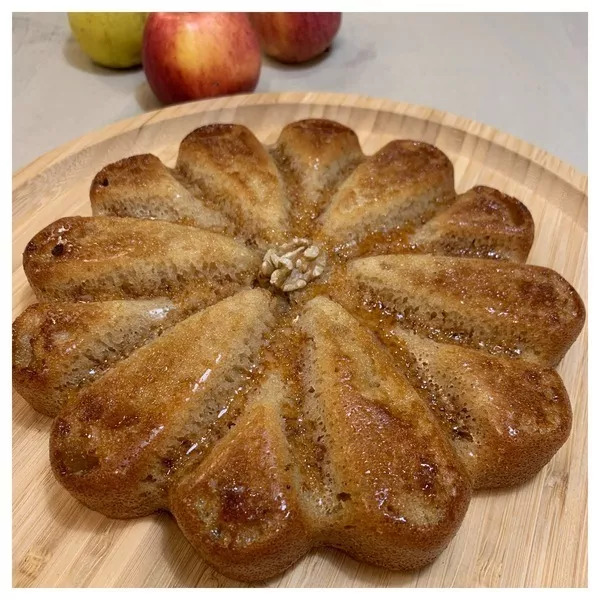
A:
[294, 346]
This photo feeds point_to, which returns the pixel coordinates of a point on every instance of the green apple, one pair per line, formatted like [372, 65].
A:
[111, 39]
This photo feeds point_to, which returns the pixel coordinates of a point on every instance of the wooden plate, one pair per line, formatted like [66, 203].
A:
[533, 535]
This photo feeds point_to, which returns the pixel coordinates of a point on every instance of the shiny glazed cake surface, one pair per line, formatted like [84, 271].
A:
[294, 346]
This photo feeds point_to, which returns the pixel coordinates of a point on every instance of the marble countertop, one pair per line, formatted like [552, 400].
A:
[525, 74]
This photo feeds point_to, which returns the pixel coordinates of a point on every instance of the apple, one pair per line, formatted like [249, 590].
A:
[111, 39]
[295, 37]
[189, 56]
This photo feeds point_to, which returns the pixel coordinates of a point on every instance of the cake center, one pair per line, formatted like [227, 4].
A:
[291, 266]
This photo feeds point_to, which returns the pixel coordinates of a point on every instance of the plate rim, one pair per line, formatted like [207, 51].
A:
[546, 160]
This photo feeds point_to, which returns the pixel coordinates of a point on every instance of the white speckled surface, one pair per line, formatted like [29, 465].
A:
[525, 74]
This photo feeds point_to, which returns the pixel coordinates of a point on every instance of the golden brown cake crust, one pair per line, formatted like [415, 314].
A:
[314, 156]
[250, 524]
[410, 363]
[60, 347]
[230, 170]
[482, 223]
[506, 418]
[123, 438]
[106, 258]
[504, 308]
[142, 187]
[403, 184]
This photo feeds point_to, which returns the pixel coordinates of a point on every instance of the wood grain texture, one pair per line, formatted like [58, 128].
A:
[533, 535]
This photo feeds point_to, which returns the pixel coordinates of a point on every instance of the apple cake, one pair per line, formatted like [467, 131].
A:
[295, 345]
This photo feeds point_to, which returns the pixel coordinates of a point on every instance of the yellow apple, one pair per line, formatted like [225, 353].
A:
[111, 39]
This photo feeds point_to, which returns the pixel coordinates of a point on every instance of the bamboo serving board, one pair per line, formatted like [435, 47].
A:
[533, 535]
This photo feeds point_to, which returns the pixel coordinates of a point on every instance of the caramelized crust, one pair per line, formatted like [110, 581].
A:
[403, 184]
[239, 508]
[60, 347]
[104, 258]
[142, 187]
[482, 223]
[506, 418]
[400, 490]
[505, 309]
[230, 169]
[314, 156]
[392, 489]
[119, 445]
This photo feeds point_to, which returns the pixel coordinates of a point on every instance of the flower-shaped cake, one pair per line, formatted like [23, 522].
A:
[295, 346]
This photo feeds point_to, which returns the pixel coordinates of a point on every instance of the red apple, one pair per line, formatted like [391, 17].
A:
[188, 56]
[295, 37]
